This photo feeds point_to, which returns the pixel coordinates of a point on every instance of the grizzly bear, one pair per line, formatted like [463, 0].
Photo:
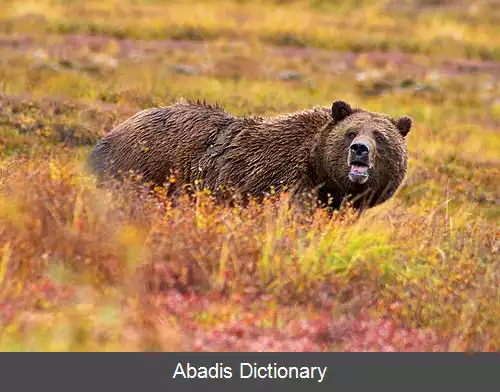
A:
[336, 154]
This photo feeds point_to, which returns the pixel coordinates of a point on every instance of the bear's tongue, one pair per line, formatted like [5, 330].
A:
[359, 169]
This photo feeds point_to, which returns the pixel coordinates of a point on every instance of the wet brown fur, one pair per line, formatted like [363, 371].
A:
[302, 152]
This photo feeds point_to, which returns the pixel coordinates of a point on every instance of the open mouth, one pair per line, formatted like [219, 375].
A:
[358, 172]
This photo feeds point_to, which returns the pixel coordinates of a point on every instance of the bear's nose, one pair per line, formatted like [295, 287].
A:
[360, 148]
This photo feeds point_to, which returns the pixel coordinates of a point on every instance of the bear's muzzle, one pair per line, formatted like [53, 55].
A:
[359, 161]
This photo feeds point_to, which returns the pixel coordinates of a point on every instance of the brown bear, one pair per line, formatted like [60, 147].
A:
[335, 154]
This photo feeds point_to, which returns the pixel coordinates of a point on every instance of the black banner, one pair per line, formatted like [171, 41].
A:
[249, 372]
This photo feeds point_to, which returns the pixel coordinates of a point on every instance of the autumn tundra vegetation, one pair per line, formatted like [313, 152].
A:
[87, 265]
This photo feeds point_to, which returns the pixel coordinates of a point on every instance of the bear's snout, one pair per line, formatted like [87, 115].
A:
[359, 161]
[360, 151]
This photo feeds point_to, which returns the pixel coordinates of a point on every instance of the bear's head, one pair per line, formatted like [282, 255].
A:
[365, 152]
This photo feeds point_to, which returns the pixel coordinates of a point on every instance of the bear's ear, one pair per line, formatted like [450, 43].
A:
[340, 110]
[403, 124]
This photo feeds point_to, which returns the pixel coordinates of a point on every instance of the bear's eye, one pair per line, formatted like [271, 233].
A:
[379, 137]
[351, 134]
